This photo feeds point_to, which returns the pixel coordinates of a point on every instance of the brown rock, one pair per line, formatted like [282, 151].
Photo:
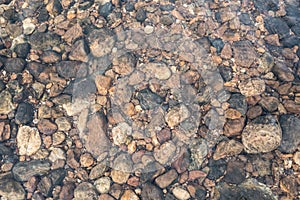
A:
[234, 127]
[119, 176]
[129, 195]
[166, 179]
[283, 72]
[97, 171]
[105, 197]
[79, 51]
[254, 112]
[73, 33]
[226, 52]
[289, 185]
[4, 131]
[86, 160]
[47, 127]
[244, 53]
[228, 148]
[272, 39]
[164, 153]
[50, 57]
[124, 64]
[269, 103]
[292, 107]
[133, 181]
[163, 135]
[103, 84]
[232, 114]
[252, 87]
[195, 174]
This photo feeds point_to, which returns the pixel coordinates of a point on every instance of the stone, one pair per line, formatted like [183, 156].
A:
[199, 150]
[289, 185]
[244, 53]
[292, 106]
[129, 195]
[177, 115]
[125, 64]
[28, 140]
[181, 193]
[149, 100]
[235, 173]
[159, 70]
[296, 158]
[252, 87]
[166, 179]
[105, 9]
[86, 191]
[269, 103]
[266, 63]
[22, 171]
[120, 177]
[54, 7]
[6, 105]
[151, 192]
[103, 84]
[63, 124]
[141, 15]
[254, 112]
[228, 148]
[238, 102]
[283, 72]
[120, 133]
[24, 114]
[217, 169]
[276, 25]
[57, 154]
[79, 51]
[4, 131]
[166, 20]
[22, 50]
[226, 52]
[14, 65]
[105, 197]
[164, 153]
[290, 125]
[68, 69]
[97, 171]
[11, 189]
[86, 160]
[249, 189]
[262, 5]
[50, 56]
[39, 40]
[101, 42]
[96, 141]
[67, 191]
[73, 33]
[103, 185]
[261, 135]
[234, 127]
[46, 127]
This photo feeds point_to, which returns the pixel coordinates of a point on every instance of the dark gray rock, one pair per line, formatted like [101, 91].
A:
[141, 15]
[105, 9]
[68, 69]
[265, 5]
[43, 15]
[276, 25]
[15, 65]
[44, 41]
[226, 73]
[22, 171]
[218, 44]
[167, 7]
[11, 15]
[47, 183]
[24, 113]
[238, 102]
[283, 72]
[216, 169]
[290, 125]
[22, 50]
[2, 85]
[166, 20]
[245, 19]
[129, 7]
[148, 99]
[235, 172]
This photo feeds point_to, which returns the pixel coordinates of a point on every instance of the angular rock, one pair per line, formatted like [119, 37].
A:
[101, 42]
[199, 150]
[125, 64]
[166, 179]
[6, 105]
[244, 53]
[234, 127]
[54, 7]
[68, 69]
[73, 33]
[22, 50]
[151, 192]
[102, 83]
[235, 172]
[177, 115]
[216, 169]
[25, 112]
[28, 140]
[262, 135]
[79, 51]
[238, 102]
[269, 103]
[120, 133]
[149, 100]
[283, 72]
[129, 195]
[228, 148]
[39, 40]
[105, 9]
[22, 171]
[252, 87]
[290, 125]
[276, 25]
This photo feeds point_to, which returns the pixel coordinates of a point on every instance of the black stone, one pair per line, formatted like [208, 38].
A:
[148, 99]
[129, 7]
[11, 15]
[235, 173]
[266, 5]
[216, 169]
[276, 25]
[218, 44]
[226, 73]
[151, 192]
[68, 69]
[43, 15]
[290, 126]
[14, 65]
[141, 15]
[22, 50]
[25, 113]
[238, 102]
[200, 193]
[167, 7]
[106, 9]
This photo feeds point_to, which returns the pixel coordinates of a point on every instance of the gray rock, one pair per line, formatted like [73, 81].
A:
[6, 105]
[11, 189]
[148, 99]
[22, 171]
[290, 125]
[44, 41]
[68, 69]
[14, 65]
[151, 192]
[22, 50]
[238, 102]
[199, 150]
[25, 112]
[141, 15]
[47, 183]
[85, 191]
[106, 9]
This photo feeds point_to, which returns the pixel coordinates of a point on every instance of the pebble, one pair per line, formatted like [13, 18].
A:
[228, 148]
[6, 105]
[166, 20]
[103, 83]
[28, 140]
[46, 127]
[97, 171]
[22, 50]
[166, 179]
[177, 115]
[103, 185]
[296, 158]
[79, 51]
[120, 133]
[50, 56]
[28, 26]
[24, 114]
[283, 72]
[148, 99]
[217, 169]
[56, 154]
[63, 124]
[235, 173]
[39, 40]
[129, 195]
[148, 29]
[262, 135]
[124, 64]
[86, 160]
[150, 191]
[67, 191]
[101, 42]
[164, 153]
[252, 87]
[85, 191]
[58, 138]
[181, 193]
[14, 65]
[22, 171]
[290, 125]
[68, 69]
[106, 9]
[141, 15]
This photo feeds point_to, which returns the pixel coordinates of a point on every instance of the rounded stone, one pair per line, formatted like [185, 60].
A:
[103, 185]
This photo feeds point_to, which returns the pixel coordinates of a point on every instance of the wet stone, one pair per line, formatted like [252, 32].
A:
[22, 171]
[290, 125]
[24, 114]
[15, 65]
[262, 135]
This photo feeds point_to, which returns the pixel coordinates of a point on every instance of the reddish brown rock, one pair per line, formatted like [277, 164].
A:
[47, 127]
[244, 53]
[166, 179]
[234, 127]
[228, 148]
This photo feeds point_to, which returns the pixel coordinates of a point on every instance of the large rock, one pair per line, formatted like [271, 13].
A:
[28, 140]
[11, 189]
[262, 135]
[244, 53]
[22, 171]
[252, 87]
[24, 113]
[290, 125]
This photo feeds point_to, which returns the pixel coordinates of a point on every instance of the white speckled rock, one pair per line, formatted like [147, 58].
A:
[252, 87]
[28, 140]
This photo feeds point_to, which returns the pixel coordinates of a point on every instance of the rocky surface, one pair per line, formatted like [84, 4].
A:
[159, 100]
